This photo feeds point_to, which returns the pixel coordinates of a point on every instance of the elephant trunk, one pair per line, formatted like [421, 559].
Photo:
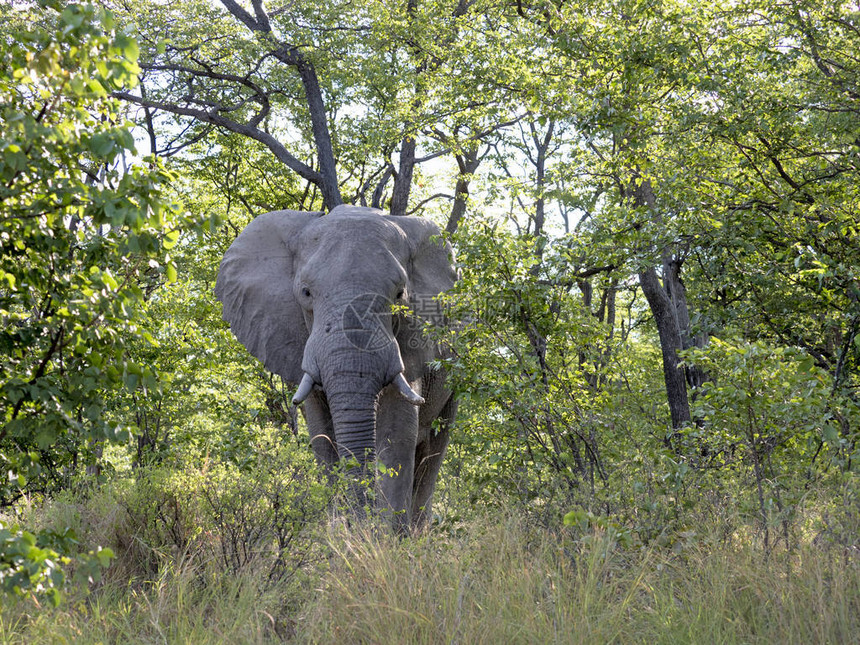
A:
[352, 380]
[353, 414]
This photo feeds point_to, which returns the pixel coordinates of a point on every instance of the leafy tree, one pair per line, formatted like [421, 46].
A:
[528, 357]
[351, 98]
[711, 154]
[784, 255]
[84, 236]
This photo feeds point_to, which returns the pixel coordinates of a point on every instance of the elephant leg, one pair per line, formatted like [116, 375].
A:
[396, 435]
[429, 455]
[320, 429]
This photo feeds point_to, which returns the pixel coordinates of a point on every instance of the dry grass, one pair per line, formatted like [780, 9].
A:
[491, 582]
[505, 583]
[179, 606]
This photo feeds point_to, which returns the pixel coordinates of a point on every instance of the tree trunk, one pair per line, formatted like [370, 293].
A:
[467, 164]
[674, 287]
[665, 304]
[322, 139]
[542, 144]
[670, 342]
[403, 178]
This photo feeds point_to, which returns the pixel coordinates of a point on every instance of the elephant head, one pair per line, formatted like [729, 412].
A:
[311, 296]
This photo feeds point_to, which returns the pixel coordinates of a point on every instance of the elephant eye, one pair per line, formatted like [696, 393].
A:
[400, 294]
[306, 292]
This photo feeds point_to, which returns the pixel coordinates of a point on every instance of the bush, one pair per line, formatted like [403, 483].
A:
[765, 432]
[261, 519]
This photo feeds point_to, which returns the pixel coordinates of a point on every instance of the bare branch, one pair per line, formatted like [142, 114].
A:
[376, 200]
[430, 199]
[247, 19]
[212, 117]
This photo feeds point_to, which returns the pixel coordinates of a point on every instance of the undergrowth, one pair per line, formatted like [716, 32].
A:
[200, 576]
[503, 581]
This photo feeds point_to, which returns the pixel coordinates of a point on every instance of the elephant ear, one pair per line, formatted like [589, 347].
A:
[255, 286]
[431, 272]
[432, 262]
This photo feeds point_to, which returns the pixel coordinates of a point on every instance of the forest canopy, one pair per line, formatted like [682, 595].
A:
[655, 208]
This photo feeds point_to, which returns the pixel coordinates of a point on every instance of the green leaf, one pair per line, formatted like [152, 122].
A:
[102, 145]
[128, 47]
[807, 365]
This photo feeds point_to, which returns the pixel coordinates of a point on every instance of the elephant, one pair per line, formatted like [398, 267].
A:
[311, 296]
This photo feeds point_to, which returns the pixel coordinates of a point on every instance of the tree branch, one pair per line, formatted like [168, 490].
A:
[247, 19]
[429, 199]
[212, 117]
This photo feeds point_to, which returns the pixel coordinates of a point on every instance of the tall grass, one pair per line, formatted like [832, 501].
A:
[496, 578]
[506, 583]
[177, 606]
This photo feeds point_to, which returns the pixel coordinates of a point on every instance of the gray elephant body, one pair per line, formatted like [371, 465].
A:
[311, 296]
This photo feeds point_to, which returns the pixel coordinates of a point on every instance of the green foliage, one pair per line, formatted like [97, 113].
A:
[595, 526]
[211, 397]
[28, 566]
[517, 358]
[83, 238]
[33, 564]
[258, 523]
[768, 418]
[258, 516]
[776, 399]
[740, 120]
[541, 372]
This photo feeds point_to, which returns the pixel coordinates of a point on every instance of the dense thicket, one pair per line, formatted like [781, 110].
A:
[655, 207]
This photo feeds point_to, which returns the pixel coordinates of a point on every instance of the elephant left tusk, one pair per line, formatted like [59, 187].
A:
[408, 393]
[305, 388]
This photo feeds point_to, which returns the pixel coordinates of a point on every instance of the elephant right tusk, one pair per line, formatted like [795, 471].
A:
[305, 388]
[408, 393]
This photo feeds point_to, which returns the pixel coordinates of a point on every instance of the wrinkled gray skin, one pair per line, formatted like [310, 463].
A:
[310, 296]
